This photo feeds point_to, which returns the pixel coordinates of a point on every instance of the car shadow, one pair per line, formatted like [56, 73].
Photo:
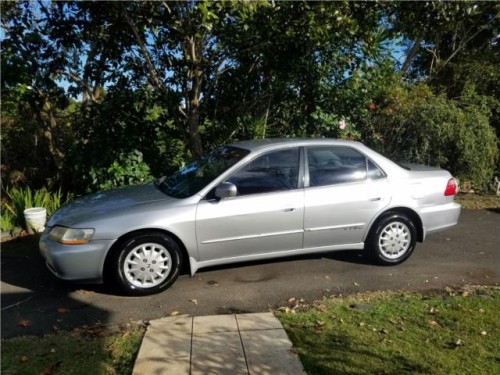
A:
[23, 266]
[34, 302]
[347, 256]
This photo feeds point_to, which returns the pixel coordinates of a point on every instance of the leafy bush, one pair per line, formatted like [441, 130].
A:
[127, 170]
[19, 199]
[125, 139]
[411, 123]
[6, 221]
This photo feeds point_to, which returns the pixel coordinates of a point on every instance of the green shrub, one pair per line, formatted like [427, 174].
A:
[6, 221]
[19, 199]
[413, 124]
[128, 169]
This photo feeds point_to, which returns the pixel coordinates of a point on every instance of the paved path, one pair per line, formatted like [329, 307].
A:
[241, 344]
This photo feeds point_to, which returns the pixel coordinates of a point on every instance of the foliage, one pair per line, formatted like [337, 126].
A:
[128, 169]
[6, 220]
[411, 123]
[400, 333]
[19, 199]
[89, 84]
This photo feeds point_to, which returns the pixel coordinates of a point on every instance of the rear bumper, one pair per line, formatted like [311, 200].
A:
[438, 218]
[75, 262]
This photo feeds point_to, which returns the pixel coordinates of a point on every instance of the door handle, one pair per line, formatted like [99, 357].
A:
[289, 209]
[375, 199]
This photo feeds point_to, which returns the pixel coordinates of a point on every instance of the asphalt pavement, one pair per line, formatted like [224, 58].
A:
[34, 302]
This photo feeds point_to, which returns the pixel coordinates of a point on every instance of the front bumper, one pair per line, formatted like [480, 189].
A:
[75, 262]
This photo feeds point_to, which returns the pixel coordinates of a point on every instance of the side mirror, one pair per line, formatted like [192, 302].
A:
[226, 190]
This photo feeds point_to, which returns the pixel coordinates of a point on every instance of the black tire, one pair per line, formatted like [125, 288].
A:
[392, 239]
[147, 263]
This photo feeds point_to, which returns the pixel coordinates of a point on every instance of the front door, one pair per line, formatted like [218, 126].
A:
[266, 216]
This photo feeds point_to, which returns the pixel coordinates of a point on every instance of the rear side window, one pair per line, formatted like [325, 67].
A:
[374, 172]
[274, 171]
[336, 165]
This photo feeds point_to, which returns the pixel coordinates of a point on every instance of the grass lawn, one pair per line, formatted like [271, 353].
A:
[478, 201]
[449, 332]
[454, 332]
[83, 351]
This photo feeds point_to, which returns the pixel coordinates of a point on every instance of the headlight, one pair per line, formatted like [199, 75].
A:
[71, 236]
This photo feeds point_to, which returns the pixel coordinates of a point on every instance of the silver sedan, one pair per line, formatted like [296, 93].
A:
[250, 201]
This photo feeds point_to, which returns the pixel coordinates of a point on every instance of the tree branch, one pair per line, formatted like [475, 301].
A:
[411, 55]
[152, 71]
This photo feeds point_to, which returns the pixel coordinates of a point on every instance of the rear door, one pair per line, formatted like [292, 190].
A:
[344, 191]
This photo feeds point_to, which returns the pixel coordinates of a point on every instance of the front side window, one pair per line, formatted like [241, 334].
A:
[194, 177]
[336, 165]
[274, 171]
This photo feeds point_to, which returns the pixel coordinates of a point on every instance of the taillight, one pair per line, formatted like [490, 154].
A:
[451, 187]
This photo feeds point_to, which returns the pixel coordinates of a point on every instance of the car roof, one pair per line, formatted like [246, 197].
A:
[271, 143]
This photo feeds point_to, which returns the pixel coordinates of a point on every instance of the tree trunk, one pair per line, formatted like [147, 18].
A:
[192, 50]
[193, 119]
[411, 55]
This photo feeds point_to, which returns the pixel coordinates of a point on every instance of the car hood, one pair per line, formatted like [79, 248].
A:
[101, 203]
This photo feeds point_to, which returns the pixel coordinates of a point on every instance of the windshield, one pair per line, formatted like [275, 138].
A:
[194, 177]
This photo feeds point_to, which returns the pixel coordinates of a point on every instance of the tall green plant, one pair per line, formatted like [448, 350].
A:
[6, 221]
[19, 199]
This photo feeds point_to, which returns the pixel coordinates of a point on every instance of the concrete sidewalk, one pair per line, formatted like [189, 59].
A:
[221, 344]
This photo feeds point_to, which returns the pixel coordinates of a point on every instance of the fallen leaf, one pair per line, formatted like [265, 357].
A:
[24, 323]
[24, 359]
[62, 310]
[433, 323]
[327, 277]
[291, 299]
[384, 331]
[194, 301]
[50, 369]
[174, 313]
[355, 284]
[83, 291]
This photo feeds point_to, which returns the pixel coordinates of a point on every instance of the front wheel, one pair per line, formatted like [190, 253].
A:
[148, 263]
[392, 240]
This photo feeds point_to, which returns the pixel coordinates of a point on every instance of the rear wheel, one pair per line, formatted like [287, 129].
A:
[147, 263]
[392, 239]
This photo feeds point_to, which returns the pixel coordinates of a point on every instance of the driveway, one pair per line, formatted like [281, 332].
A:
[34, 302]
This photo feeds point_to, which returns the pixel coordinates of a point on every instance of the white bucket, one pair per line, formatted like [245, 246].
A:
[35, 219]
